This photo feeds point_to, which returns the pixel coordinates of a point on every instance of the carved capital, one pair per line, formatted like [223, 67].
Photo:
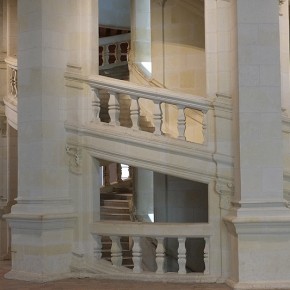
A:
[74, 154]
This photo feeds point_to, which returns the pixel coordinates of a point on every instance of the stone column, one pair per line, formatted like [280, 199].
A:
[43, 219]
[260, 221]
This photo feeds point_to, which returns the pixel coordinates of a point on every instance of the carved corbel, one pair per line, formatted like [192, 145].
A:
[226, 190]
[74, 154]
[281, 2]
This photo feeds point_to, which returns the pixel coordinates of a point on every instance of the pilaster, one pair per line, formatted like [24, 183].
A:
[43, 220]
[259, 220]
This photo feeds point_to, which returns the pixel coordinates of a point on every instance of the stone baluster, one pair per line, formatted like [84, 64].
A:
[157, 117]
[206, 256]
[119, 172]
[118, 52]
[137, 255]
[98, 247]
[160, 255]
[106, 175]
[114, 108]
[181, 122]
[96, 104]
[181, 256]
[106, 55]
[116, 251]
[134, 113]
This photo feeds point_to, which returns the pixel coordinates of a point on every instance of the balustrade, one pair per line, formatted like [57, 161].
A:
[138, 231]
[159, 96]
[113, 51]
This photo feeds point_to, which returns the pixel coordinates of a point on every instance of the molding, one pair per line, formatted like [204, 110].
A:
[258, 225]
[105, 141]
[158, 153]
[41, 222]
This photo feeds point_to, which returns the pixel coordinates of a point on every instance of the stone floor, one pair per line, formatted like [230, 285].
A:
[90, 284]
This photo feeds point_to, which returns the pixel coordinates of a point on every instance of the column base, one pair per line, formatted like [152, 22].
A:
[258, 285]
[260, 256]
[35, 277]
[41, 246]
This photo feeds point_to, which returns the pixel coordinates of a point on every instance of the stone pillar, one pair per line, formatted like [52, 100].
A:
[259, 222]
[43, 219]
[284, 51]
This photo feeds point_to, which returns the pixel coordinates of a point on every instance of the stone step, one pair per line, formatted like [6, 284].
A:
[114, 210]
[116, 196]
[115, 203]
[115, 217]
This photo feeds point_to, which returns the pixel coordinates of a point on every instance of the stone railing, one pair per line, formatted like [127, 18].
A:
[113, 50]
[12, 76]
[115, 90]
[158, 255]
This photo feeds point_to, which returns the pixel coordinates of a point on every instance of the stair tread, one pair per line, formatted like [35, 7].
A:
[113, 207]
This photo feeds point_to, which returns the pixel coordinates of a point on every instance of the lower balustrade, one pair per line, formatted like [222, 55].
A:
[149, 245]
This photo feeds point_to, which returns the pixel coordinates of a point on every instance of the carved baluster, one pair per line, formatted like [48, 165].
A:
[134, 113]
[157, 117]
[106, 55]
[96, 104]
[118, 53]
[137, 255]
[114, 108]
[98, 247]
[181, 123]
[119, 172]
[106, 175]
[116, 251]
[206, 256]
[160, 255]
[181, 256]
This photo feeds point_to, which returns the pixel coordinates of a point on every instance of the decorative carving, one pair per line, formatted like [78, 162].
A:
[226, 190]
[13, 82]
[74, 154]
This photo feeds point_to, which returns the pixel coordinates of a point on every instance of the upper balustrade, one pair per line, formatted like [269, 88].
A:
[113, 50]
[110, 94]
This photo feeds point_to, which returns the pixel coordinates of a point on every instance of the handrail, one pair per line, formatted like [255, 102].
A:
[114, 39]
[143, 229]
[155, 94]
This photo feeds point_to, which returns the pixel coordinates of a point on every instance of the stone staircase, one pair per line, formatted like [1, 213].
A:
[117, 205]
[116, 202]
